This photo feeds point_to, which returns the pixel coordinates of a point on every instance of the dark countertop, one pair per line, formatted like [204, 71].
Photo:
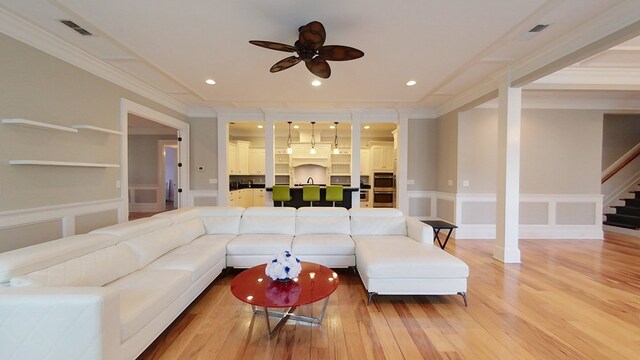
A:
[294, 188]
[246, 186]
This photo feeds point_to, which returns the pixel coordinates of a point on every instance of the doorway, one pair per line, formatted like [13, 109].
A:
[154, 162]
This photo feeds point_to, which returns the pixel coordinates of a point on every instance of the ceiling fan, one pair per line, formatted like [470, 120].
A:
[311, 49]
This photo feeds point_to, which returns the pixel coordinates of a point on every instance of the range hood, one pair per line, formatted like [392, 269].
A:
[300, 161]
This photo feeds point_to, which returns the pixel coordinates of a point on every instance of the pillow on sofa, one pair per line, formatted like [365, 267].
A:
[94, 269]
[151, 246]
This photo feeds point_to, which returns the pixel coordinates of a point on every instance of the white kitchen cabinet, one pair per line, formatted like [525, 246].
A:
[232, 158]
[243, 157]
[341, 163]
[256, 161]
[382, 157]
[233, 198]
[258, 197]
[281, 162]
[365, 166]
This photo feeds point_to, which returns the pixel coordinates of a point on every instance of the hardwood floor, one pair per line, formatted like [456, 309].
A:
[569, 299]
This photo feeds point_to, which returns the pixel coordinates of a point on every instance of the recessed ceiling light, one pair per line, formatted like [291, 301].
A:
[210, 81]
[367, 126]
[260, 126]
[316, 83]
[411, 82]
[296, 126]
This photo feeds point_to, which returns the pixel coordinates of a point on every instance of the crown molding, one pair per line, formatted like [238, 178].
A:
[21, 30]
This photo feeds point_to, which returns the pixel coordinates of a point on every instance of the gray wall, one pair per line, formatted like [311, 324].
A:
[39, 87]
[447, 153]
[204, 151]
[560, 151]
[421, 160]
[621, 132]
[144, 157]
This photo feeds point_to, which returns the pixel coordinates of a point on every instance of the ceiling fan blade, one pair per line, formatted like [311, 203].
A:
[339, 53]
[273, 45]
[312, 35]
[285, 64]
[319, 67]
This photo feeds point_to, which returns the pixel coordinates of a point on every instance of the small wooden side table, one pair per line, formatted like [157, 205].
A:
[438, 225]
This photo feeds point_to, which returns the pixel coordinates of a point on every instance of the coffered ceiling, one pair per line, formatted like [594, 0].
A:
[447, 47]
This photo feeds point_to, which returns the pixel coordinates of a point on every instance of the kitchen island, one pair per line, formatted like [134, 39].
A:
[296, 198]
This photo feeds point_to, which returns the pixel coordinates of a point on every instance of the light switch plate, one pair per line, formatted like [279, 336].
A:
[465, 183]
[117, 184]
[213, 181]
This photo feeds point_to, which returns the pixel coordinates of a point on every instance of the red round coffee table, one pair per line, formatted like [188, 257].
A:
[254, 287]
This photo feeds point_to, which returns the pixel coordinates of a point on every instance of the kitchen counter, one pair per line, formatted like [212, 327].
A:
[296, 198]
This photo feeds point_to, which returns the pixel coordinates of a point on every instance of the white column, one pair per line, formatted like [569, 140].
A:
[356, 120]
[223, 176]
[269, 154]
[402, 162]
[508, 191]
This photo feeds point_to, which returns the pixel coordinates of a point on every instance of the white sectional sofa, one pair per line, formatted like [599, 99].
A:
[110, 293]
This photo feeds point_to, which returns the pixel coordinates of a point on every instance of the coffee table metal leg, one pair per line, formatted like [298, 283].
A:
[288, 315]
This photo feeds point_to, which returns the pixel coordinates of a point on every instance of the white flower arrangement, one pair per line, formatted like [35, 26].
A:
[285, 266]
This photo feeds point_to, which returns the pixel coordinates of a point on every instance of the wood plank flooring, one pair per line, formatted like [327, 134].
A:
[569, 299]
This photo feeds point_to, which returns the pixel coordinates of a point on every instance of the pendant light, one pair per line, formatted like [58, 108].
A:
[289, 149]
[313, 139]
[335, 140]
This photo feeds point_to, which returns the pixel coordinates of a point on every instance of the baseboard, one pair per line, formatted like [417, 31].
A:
[532, 232]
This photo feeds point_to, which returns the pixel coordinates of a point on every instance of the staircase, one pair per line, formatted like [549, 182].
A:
[626, 216]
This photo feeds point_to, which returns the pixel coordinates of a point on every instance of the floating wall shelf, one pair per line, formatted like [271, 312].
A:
[96, 128]
[37, 124]
[61, 163]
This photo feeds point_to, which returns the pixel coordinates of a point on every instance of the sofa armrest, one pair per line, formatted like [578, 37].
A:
[59, 323]
[419, 231]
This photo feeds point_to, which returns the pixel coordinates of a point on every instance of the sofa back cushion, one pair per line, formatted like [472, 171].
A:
[268, 220]
[377, 222]
[93, 269]
[220, 219]
[132, 229]
[190, 230]
[328, 220]
[151, 246]
[36, 257]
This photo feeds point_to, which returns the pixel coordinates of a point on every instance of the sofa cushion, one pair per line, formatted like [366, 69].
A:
[94, 269]
[268, 220]
[151, 246]
[259, 244]
[195, 258]
[36, 257]
[146, 293]
[377, 222]
[134, 228]
[310, 220]
[220, 219]
[323, 244]
[190, 230]
[178, 216]
[407, 259]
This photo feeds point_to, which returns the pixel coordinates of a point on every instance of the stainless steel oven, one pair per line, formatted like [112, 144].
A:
[384, 181]
[382, 198]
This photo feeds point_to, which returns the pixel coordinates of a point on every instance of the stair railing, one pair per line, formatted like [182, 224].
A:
[619, 164]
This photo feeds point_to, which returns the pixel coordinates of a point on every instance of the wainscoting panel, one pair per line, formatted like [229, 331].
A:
[203, 198]
[26, 227]
[542, 216]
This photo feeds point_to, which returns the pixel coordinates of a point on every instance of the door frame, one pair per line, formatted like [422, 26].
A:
[129, 107]
[162, 169]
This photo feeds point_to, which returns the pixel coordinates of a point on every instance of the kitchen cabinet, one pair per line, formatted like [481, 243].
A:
[365, 166]
[243, 157]
[258, 197]
[341, 163]
[232, 158]
[281, 162]
[256, 161]
[382, 157]
[238, 157]
[233, 198]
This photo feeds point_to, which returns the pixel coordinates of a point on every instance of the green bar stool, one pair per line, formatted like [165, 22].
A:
[281, 193]
[334, 193]
[311, 193]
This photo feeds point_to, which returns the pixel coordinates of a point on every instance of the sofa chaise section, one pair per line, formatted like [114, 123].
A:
[395, 255]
